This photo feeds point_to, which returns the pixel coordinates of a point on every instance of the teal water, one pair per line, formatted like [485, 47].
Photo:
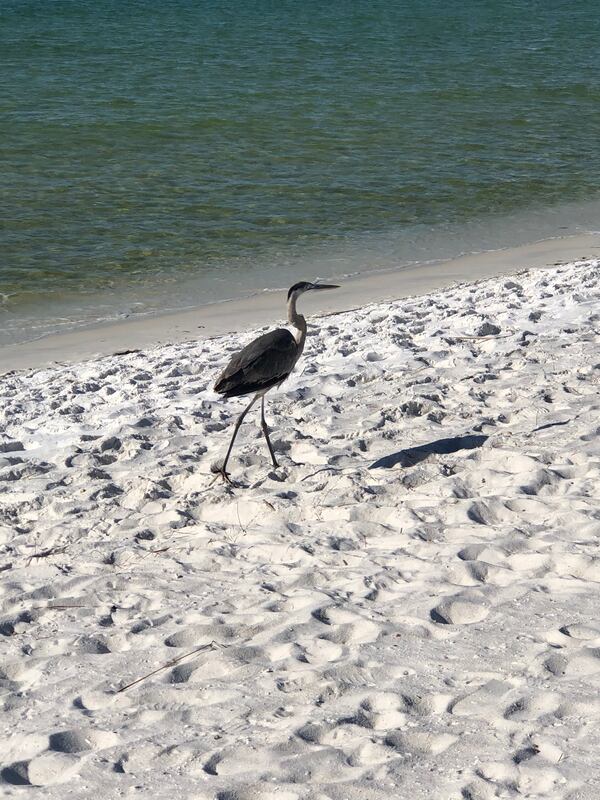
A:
[161, 154]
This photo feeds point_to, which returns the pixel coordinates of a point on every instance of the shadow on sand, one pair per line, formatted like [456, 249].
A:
[414, 455]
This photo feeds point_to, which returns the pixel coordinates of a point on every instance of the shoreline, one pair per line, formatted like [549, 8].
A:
[204, 322]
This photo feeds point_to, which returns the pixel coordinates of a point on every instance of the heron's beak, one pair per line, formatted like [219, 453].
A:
[325, 286]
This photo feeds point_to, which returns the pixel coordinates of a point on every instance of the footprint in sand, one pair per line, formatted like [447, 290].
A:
[460, 611]
[78, 740]
[532, 706]
[62, 760]
[318, 651]
[420, 743]
[380, 712]
[580, 631]
[235, 760]
[487, 701]
[47, 769]
[258, 791]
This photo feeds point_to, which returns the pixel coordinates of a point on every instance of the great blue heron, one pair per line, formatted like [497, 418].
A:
[265, 362]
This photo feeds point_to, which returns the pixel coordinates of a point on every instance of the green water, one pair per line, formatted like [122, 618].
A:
[160, 154]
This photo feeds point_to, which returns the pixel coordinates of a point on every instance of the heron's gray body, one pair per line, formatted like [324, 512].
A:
[265, 362]
[262, 364]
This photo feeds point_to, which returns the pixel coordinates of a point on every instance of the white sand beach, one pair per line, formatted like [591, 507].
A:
[407, 608]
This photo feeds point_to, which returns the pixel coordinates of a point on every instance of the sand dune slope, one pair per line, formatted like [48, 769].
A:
[409, 607]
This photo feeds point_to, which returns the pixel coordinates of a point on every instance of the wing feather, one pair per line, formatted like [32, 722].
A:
[263, 363]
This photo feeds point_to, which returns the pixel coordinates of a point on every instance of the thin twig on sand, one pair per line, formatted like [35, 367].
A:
[51, 551]
[171, 663]
[470, 338]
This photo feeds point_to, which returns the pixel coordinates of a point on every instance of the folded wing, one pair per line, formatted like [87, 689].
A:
[263, 363]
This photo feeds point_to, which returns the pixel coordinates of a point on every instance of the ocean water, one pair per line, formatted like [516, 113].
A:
[158, 154]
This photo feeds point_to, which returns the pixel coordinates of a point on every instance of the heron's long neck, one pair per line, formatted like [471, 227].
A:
[298, 322]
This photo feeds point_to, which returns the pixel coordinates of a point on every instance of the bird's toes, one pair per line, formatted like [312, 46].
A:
[218, 468]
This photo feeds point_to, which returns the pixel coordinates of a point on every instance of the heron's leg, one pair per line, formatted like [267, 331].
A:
[240, 419]
[265, 429]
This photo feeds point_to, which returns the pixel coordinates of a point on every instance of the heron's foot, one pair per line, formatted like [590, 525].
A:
[226, 478]
[218, 469]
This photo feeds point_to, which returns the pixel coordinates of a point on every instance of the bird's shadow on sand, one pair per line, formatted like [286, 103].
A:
[413, 455]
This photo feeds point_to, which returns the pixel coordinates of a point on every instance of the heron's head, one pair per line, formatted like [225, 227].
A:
[305, 286]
